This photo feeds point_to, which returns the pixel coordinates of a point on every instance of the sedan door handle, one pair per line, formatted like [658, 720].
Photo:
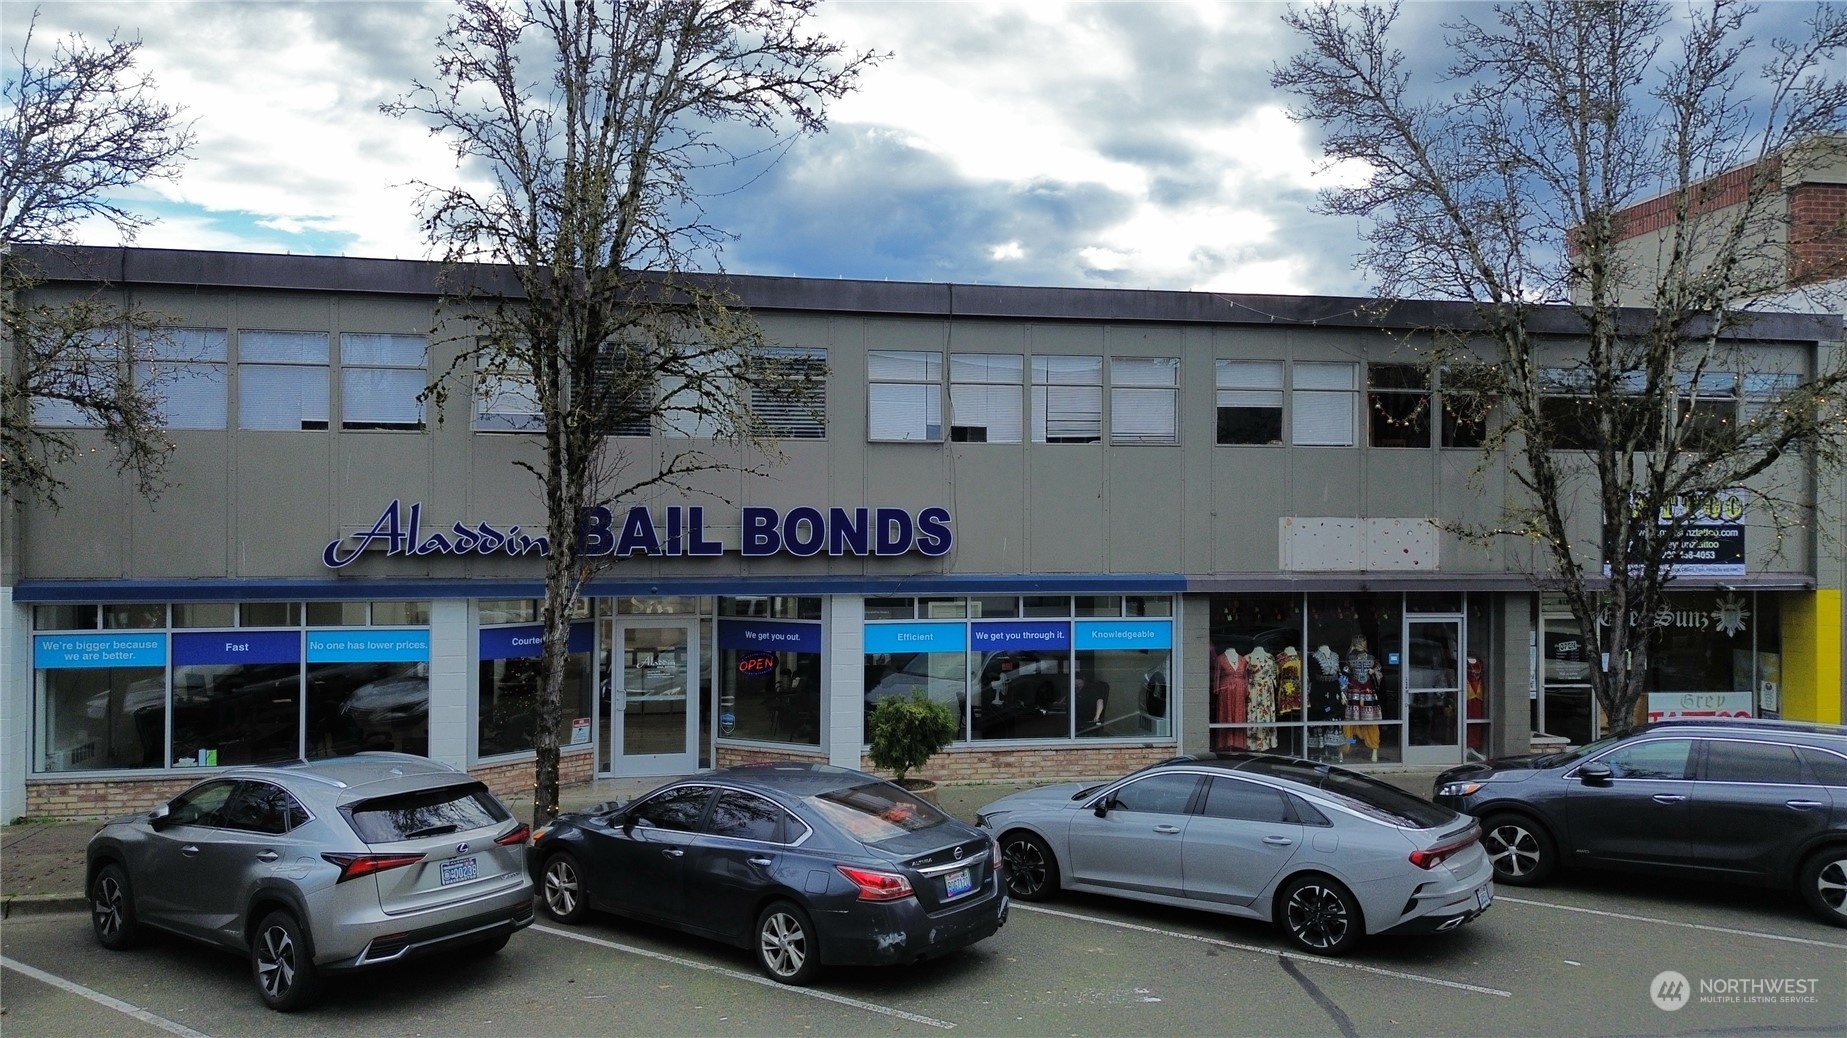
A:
[267, 856]
[672, 852]
[1167, 830]
[1802, 805]
[1278, 841]
[761, 859]
[1669, 798]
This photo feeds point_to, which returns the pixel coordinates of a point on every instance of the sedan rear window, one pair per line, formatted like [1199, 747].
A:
[427, 812]
[876, 812]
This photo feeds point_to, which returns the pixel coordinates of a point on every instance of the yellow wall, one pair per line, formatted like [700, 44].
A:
[1812, 656]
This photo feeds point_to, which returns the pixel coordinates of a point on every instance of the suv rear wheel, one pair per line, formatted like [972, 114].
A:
[282, 961]
[1824, 884]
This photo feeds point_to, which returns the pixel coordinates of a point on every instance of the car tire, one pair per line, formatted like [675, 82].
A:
[787, 949]
[1032, 871]
[112, 909]
[282, 963]
[1823, 880]
[561, 889]
[1522, 852]
[1319, 915]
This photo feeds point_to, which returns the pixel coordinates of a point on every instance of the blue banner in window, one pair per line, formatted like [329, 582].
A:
[1125, 634]
[528, 641]
[989, 637]
[236, 647]
[77, 651]
[766, 636]
[917, 637]
[369, 645]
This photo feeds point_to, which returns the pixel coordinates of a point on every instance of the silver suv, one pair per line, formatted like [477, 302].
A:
[315, 867]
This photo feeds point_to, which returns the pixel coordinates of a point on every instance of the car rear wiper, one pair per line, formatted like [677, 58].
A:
[432, 830]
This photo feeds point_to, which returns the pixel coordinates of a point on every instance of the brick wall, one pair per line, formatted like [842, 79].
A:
[973, 764]
[1817, 233]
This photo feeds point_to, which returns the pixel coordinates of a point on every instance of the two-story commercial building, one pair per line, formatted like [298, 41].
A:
[1104, 526]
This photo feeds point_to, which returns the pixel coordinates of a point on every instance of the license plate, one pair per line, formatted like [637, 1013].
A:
[958, 883]
[458, 870]
[1483, 896]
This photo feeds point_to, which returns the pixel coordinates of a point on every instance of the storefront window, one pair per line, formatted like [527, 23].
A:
[511, 673]
[1706, 655]
[236, 697]
[1054, 668]
[368, 689]
[205, 614]
[769, 675]
[1250, 637]
[102, 699]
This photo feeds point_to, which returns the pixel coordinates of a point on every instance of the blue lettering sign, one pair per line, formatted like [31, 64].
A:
[216, 648]
[90, 651]
[1124, 634]
[769, 636]
[369, 645]
[990, 637]
[937, 637]
[527, 642]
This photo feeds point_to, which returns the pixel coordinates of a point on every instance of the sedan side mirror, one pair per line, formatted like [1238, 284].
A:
[158, 818]
[1595, 774]
[1104, 805]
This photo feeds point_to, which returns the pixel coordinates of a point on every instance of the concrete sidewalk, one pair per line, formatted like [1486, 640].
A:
[41, 863]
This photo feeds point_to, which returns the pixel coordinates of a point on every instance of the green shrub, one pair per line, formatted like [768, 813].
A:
[905, 732]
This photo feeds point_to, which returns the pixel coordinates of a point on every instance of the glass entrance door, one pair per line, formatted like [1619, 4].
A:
[1433, 690]
[654, 705]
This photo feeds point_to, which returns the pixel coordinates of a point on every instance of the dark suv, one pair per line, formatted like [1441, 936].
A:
[1761, 802]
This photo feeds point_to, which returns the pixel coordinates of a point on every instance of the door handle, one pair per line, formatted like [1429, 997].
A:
[761, 859]
[1802, 805]
[672, 852]
[267, 856]
[1669, 798]
[1278, 841]
[1167, 830]
[190, 849]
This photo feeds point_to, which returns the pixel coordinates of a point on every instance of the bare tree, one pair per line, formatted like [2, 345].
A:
[1515, 185]
[79, 126]
[590, 120]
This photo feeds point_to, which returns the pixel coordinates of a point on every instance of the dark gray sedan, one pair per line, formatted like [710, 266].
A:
[1328, 855]
[804, 864]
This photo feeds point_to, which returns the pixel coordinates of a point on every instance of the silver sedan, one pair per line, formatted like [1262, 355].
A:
[1328, 855]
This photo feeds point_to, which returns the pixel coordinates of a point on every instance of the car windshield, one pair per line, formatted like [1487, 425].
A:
[875, 812]
[1380, 800]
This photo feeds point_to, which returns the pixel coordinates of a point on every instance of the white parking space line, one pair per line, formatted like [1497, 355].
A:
[101, 999]
[1259, 949]
[870, 1007]
[1673, 922]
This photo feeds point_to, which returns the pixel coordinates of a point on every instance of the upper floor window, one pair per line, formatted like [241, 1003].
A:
[1398, 405]
[1067, 399]
[792, 401]
[506, 400]
[89, 370]
[628, 372]
[185, 371]
[985, 394]
[1324, 400]
[381, 377]
[1708, 402]
[1144, 399]
[282, 380]
[1250, 401]
[904, 395]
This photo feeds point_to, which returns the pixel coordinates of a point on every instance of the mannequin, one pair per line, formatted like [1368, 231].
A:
[1326, 704]
[1262, 706]
[1288, 683]
[1231, 691]
[1362, 672]
[1478, 703]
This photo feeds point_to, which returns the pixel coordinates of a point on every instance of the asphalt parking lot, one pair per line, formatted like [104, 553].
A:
[1578, 958]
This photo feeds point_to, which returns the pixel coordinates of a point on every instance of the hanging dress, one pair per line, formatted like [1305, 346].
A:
[1262, 706]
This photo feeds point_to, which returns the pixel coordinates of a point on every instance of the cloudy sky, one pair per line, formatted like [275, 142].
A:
[1123, 144]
